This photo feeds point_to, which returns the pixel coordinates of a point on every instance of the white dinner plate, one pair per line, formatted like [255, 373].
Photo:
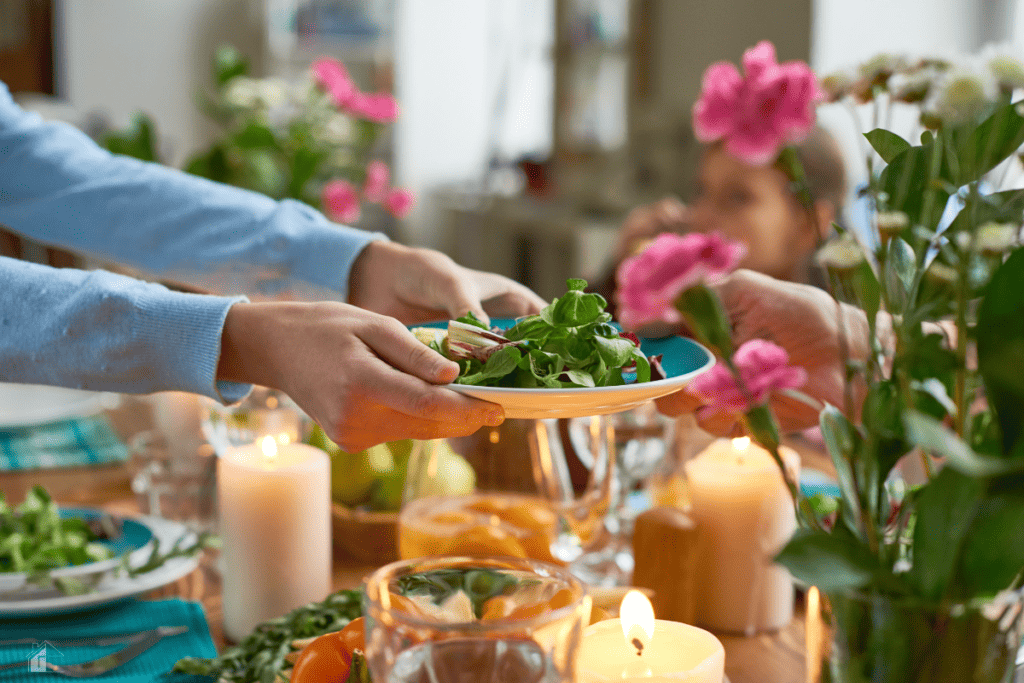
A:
[114, 588]
[24, 405]
[136, 539]
[682, 359]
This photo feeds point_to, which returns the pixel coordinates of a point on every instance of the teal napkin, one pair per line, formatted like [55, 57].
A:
[127, 617]
[67, 443]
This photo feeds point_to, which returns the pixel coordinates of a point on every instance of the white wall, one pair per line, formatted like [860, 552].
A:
[449, 62]
[121, 56]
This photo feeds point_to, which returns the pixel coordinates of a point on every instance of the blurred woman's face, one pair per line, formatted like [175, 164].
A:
[753, 204]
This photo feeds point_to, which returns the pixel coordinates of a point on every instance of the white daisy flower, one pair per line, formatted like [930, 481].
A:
[962, 93]
[840, 254]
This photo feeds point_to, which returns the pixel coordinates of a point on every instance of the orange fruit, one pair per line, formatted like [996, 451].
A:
[325, 660]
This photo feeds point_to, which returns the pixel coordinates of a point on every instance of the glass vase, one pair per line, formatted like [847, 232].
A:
[474, 620]
[871, 638]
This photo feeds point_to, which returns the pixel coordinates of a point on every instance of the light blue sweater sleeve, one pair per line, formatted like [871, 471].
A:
[60, 188]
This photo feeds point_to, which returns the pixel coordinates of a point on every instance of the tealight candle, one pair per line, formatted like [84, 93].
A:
[637, 648]
[275, 526]
[744, 514]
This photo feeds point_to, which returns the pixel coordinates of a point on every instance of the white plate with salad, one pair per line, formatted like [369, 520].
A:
[568, 361]
[60, 559]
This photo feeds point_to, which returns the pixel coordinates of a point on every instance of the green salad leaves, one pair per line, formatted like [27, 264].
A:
[570, 343]
[34, 538]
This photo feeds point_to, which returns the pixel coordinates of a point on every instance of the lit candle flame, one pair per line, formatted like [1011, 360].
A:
[637, 616]
[269, 447]
[741, 443]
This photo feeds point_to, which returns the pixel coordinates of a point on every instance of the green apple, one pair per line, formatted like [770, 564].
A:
[318, 439]
[453, 476]
[352, 476]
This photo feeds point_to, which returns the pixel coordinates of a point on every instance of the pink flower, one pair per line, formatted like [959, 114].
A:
[760, 114]
[341, 201]
[375, 188]
[398, 202]
[379, 107]
[330, 74]
[763, 367]
[649, 282]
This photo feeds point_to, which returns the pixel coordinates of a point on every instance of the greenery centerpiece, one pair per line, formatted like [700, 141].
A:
[313, 138]
[921, 581]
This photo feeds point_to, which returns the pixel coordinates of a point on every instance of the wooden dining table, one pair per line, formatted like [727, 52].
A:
[773, 657]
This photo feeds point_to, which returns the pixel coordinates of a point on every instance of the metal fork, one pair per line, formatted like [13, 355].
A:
[106, 663]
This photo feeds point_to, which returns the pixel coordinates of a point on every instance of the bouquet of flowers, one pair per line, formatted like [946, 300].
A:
[311, 140]
[922, 583]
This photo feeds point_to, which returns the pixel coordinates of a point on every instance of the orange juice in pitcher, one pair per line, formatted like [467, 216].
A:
[538, 517]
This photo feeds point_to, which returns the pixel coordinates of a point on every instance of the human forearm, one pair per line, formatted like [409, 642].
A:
[96, 330]
[57, 186]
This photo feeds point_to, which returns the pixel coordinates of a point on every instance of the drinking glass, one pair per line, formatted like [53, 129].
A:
[174, 480]
[466, 620]
[520, 500]
[264, 412]
[639, 439]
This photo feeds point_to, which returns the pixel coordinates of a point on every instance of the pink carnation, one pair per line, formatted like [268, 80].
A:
[398, 202]
[341, 201]
[330, 74]
[379, 107]
[650, 282]
[761, 113]
[763, 367]
[375, 188]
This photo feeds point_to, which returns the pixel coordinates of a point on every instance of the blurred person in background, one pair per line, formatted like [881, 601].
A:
[353, 367]
[755, 205]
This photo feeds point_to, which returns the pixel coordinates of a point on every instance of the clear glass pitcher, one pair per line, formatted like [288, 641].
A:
[529, 494]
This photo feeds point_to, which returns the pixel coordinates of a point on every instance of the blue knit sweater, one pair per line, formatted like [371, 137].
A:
[97, 330]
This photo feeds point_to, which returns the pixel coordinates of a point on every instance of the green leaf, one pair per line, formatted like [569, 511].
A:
[842, 442]
[580, 378]
[575, 308]
[471, 319]
[900, 269]
[887, 144]
[906, 179]
[1000, 336]
[228, 63]
[614, 352]
[138, 140]
[501, 363]
[763, 427]
[983, 147]
[935, 438]
[945, 508]
[212, 165]
[830, 561]
[255, 135]
[993, 551]
[707, 318]
[867, 290]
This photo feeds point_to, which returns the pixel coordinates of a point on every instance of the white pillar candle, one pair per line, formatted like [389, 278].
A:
[744, 514]
[655, 651]
[275, 527]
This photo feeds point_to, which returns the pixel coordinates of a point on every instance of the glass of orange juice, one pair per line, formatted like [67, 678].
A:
[531, 496]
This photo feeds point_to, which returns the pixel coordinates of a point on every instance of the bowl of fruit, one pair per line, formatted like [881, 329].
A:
[367, 489]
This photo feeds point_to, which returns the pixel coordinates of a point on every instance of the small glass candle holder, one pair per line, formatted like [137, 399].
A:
[479, 620]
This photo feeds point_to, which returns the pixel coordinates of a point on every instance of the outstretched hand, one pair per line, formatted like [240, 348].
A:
[361, 376]
[802, 319]
[419, 285]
